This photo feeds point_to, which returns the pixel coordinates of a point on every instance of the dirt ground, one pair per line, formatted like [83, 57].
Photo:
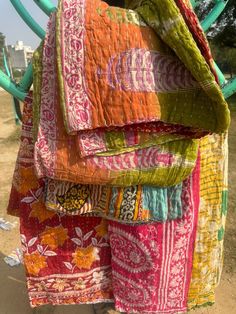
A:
[13, 293]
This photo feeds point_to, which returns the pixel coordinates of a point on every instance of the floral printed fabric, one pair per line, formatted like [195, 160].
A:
[74, 260]
[67, 258]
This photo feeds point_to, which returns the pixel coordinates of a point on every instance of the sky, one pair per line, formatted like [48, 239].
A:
[14, 28]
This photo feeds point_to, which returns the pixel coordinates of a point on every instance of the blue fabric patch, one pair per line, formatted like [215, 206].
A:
[164, 203]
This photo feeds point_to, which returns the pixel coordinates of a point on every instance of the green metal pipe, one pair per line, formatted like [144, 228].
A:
[5, 63]
[24, 14]
[27, 79]
[230, 88]
[46, 6]
[194, 3]
[15, 100]
[220, 75]
[214, 14]
[9, 86]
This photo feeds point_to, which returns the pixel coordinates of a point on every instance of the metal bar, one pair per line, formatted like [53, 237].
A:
[27, 79]
[220, 75]
[16, 104]
[24, 14]
[230, 88]
[5, 63]
[214, 14]
[46, 6]
[7, 84]
[194, 3]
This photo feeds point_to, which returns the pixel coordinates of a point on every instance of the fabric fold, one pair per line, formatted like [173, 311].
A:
[57, 157]
[146, 66]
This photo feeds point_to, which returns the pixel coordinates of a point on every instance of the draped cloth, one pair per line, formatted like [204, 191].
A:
[136, 83]
[163, 157]
[208, 253]
[62, 263]
[133, 204]
[102, 119]
[136, 76]
[71, 259]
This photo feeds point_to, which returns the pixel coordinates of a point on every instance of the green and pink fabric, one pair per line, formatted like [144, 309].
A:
[117, 91]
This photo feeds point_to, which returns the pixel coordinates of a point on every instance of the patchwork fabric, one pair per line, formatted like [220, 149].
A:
[152, 274]
[72, 199]
[56, 156]
[135, 77]
[134, 204]
[140, 204]
[67, 259]
[208, 253]
[112, 141]
[122, 98]
[165, 18]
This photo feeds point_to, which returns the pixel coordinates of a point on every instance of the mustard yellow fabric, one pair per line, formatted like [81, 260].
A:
[208, 253]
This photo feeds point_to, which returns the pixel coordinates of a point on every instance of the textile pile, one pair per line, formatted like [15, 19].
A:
[121, 177]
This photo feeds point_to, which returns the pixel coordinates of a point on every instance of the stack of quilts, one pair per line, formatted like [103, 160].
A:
[120, 182]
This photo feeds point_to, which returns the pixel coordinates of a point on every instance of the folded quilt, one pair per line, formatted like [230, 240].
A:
[57, 157]
[134, 204]
[113, 141]
[130, 205]
[73, 259]
[118, 67]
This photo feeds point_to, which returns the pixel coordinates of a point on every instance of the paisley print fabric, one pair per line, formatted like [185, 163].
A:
[151, 264]
[74, 260]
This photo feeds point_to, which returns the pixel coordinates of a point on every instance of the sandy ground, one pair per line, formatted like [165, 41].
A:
[13, 293]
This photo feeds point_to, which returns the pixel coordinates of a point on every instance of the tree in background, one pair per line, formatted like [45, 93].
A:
[222, 35]
[223, 32]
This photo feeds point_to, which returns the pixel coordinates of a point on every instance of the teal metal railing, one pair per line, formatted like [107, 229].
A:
[15, 102]
[46, 6]
[27, 18]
